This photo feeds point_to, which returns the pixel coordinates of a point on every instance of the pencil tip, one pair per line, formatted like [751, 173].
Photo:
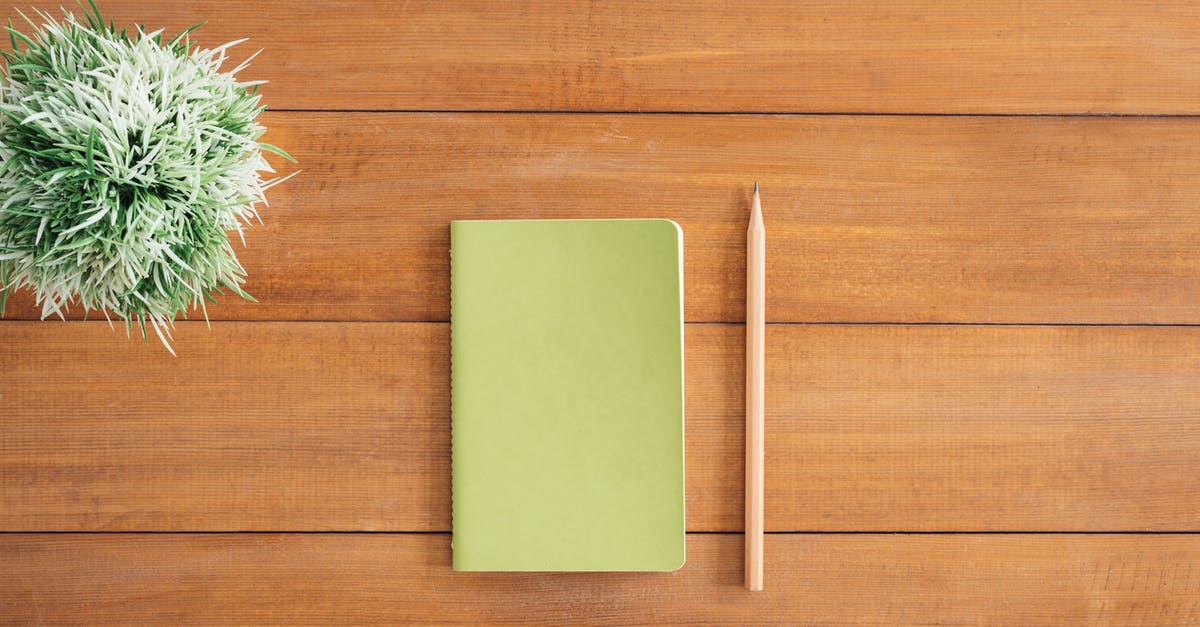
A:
[755, 207]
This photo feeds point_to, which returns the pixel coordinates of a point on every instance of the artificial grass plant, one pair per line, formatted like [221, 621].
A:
[124, 163]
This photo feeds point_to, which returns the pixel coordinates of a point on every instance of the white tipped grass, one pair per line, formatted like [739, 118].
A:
[124, 163]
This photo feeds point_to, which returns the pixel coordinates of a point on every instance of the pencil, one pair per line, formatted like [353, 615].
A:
[756, 284]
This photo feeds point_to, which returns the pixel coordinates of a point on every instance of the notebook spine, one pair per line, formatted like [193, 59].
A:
[452, 473]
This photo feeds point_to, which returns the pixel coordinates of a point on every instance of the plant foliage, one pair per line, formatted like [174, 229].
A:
[125, 161]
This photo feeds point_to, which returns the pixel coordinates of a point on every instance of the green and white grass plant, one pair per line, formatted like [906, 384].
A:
[125, 161]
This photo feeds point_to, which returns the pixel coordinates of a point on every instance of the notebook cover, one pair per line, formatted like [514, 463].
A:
[567, 395]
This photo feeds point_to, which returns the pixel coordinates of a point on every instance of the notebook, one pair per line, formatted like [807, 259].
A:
[567, 395]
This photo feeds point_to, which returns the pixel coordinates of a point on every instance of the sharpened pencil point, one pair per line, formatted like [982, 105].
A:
[755, 210]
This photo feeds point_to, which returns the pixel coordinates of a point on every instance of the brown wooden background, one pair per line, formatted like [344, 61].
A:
[984, 286]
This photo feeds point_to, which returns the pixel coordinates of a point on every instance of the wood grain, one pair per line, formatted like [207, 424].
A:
[327, 426]
[871, 219]
[390, 579]
[905, 56]
[983, 428]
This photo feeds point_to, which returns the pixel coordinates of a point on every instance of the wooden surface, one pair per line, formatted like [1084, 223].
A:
[387, 579]
[871, 218]
[333, 426]
[983, 367]
[894, 56]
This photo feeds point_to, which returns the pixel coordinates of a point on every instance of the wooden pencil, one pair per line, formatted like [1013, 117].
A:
[756, 283]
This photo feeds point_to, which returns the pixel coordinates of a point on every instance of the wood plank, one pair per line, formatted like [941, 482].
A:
[326, 426]
[255, 426]
[984, 428]
[897, 219]
[904, 56]
[378, 578]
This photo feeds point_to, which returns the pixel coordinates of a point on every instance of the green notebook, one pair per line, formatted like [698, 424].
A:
[567, 395]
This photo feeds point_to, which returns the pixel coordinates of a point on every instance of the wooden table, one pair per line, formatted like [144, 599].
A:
[983, 371]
